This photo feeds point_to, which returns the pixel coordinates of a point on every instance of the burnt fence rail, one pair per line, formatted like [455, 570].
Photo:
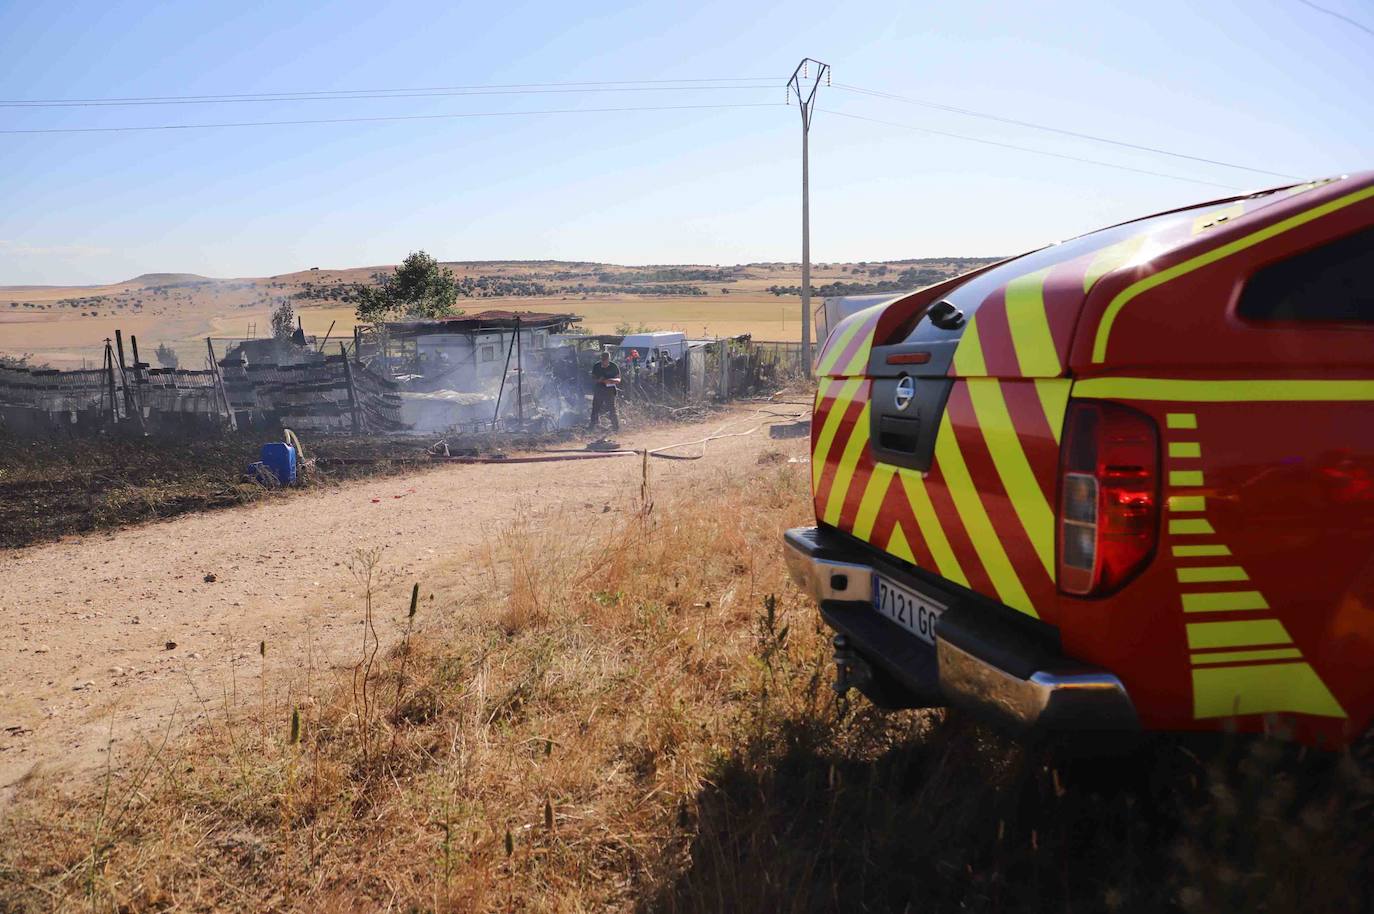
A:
[345, 394]
[325, 394]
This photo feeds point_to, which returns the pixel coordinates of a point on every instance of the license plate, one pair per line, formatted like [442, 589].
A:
[912, 611]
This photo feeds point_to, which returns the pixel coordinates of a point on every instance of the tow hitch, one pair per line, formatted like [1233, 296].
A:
[851, 670]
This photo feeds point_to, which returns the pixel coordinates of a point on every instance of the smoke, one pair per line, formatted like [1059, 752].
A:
[453, 386]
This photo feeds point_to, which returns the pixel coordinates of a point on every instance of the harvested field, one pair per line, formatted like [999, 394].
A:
[616, 701]
[64, 325]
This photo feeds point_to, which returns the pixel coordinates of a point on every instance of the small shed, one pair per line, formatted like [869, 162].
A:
[464, 353]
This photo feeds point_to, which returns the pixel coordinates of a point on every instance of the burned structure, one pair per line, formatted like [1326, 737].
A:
[476, 373]
[481, 371]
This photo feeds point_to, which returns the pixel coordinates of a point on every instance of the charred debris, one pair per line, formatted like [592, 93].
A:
[493, 372]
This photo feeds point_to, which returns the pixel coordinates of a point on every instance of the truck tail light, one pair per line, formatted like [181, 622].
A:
[1108, 497]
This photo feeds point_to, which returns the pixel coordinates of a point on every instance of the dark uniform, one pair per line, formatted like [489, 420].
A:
[603, 396]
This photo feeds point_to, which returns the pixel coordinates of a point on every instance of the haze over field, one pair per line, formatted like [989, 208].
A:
[63, 325]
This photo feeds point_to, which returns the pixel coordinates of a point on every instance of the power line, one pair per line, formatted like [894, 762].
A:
[1043, 152]
[332, 98]
[408, 92]
[1321, 9]
[1073, 133]
[397, 117]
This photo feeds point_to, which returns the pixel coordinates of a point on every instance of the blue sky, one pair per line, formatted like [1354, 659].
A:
[1274, 84]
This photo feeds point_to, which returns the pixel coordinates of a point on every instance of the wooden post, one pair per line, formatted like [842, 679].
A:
[219, 386]
[724, 389]
[128, 397]
[109, 374]
[501, 391]
[132, 403]
[519, 374]
[352, 391]
[138, 380]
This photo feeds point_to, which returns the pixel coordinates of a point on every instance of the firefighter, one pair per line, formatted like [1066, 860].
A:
[605, 381]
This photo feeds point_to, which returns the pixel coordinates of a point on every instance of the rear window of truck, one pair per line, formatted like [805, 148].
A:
[1334, 283]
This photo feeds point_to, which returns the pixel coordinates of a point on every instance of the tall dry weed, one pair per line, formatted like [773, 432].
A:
[630, 709]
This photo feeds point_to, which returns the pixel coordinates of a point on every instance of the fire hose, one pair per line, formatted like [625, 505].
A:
[717, 435]
[557, 454]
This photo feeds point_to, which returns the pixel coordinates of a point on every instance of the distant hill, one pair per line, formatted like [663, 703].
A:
[165, 279]
[66, 326]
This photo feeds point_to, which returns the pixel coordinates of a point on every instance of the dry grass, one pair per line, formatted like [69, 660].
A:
[637, 717]
[540, 754]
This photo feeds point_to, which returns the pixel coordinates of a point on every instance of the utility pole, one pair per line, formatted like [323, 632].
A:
[806, 101]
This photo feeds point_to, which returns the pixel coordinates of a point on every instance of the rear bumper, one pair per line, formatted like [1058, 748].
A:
[979, 662]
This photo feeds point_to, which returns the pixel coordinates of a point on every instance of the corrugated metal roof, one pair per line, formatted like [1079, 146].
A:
[495, 319]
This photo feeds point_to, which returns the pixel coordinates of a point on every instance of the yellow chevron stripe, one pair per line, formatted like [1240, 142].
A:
[843, 398]
[1104, 329]
[1185, 503]
[1247, 391]
[1113, 257]
[1295, 688]
[946, 562]
[874, 494]
[825, 388]
[968, 355]
[970, 507]
[1036, 355]
[1277, 653]
[1185, 477]
[1054, 400]
[859, 361]
[1202, 635]
[1027, 498]
[1184, 449]
[1224, 602]
[1193, 552]
[844, 473]
[1190, 527]
[1211, 574]
[898, 546]
[1181, 420]
[850, 327]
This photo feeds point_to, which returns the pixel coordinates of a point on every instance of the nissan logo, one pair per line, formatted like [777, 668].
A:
[905, 393]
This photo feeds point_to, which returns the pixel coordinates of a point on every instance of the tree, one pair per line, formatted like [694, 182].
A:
[166, 356]
[283, 322]
[21, 361]
[418, 288]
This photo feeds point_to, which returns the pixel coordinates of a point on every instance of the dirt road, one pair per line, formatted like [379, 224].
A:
[111, 638]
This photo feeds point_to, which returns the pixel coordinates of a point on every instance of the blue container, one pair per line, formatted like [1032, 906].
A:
[281, 460]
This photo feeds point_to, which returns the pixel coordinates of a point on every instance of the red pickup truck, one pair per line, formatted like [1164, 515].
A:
[1122, 482]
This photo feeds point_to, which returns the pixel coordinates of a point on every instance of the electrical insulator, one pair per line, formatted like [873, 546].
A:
[804, 70]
